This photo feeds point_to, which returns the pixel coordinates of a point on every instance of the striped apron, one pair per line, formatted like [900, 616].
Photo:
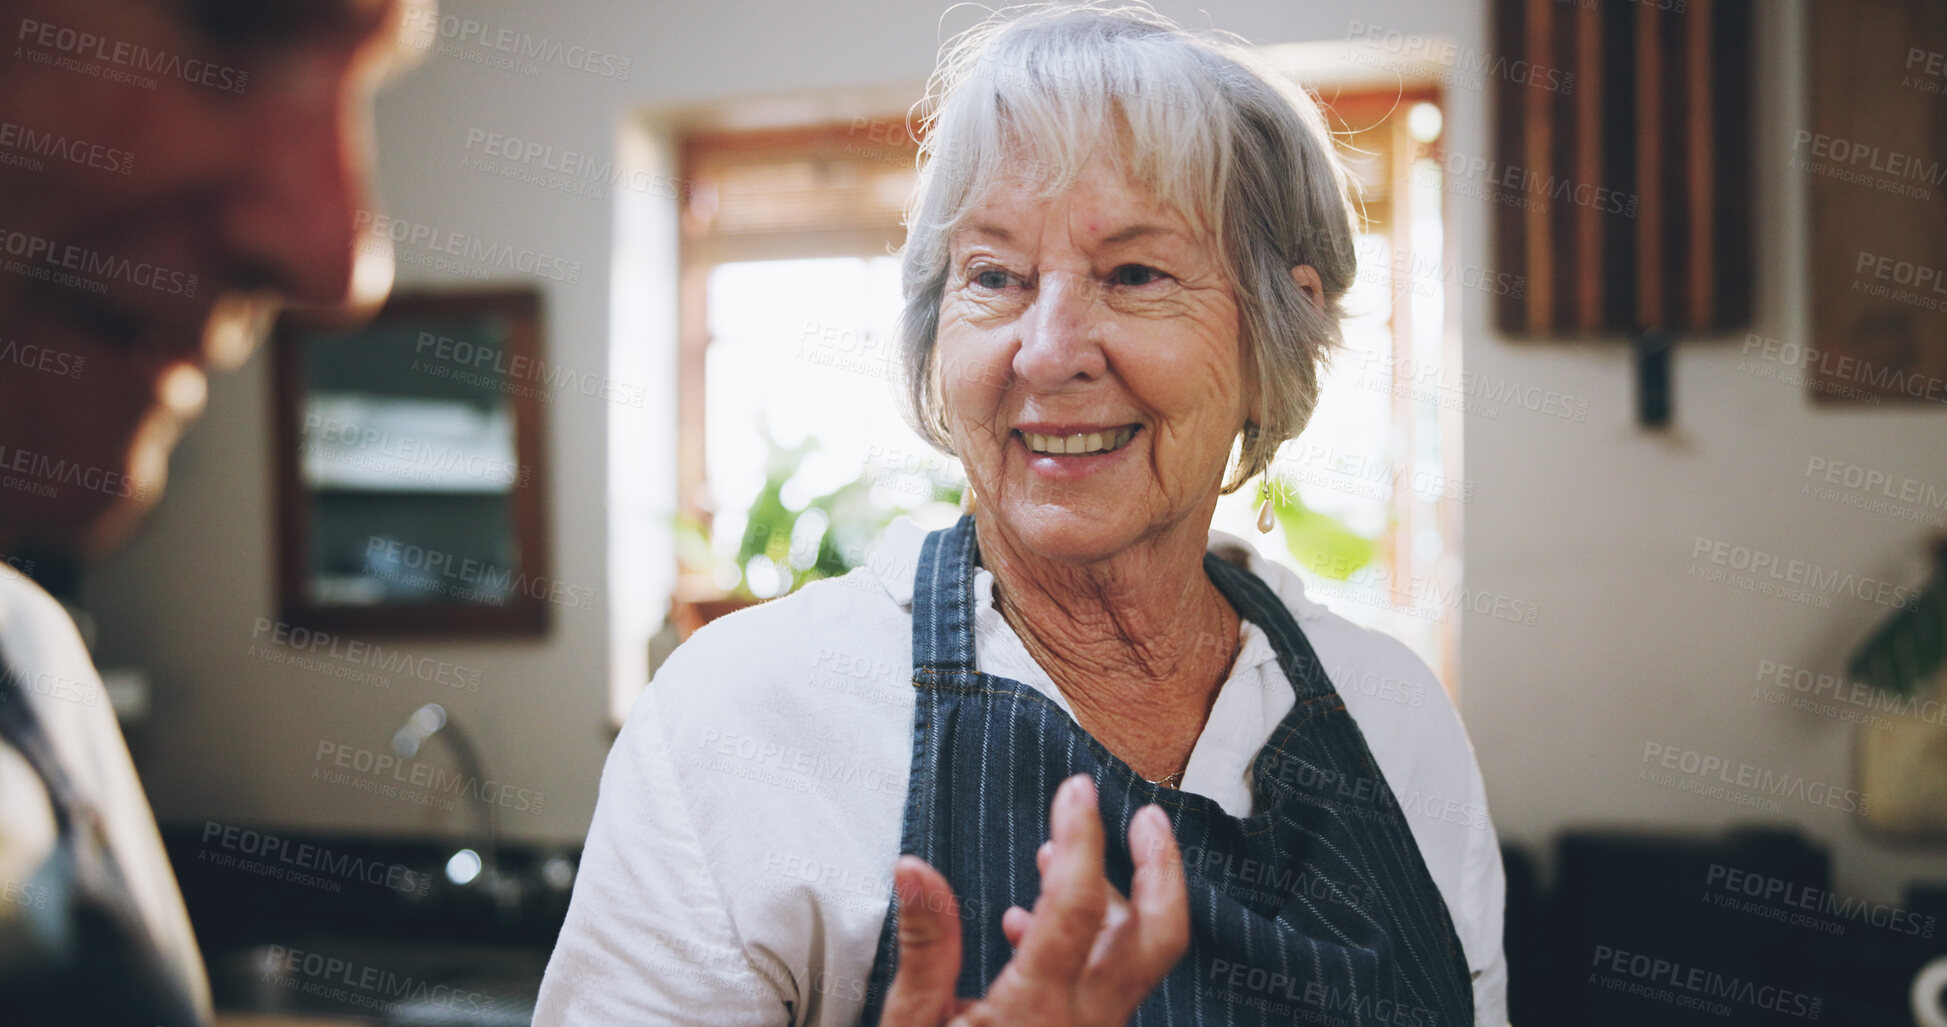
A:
[1316, 909]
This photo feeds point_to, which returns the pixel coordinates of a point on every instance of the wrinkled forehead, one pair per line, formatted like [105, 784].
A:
[1097, 202]
[1111, 181]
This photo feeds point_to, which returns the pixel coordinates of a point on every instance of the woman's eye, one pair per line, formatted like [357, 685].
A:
[991, 278]
[1135, 274]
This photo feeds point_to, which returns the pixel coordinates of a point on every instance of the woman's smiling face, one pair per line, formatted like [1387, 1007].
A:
[1090, 365]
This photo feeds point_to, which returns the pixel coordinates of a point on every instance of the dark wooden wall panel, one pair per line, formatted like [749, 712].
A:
[1623, 195]
[1877, 163]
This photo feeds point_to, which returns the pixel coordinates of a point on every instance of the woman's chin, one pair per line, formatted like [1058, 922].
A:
[1071, 535]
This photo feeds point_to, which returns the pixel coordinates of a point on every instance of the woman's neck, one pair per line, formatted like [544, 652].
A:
[1138, 643]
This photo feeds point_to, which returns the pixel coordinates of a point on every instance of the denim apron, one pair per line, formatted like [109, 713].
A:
[1316, 909]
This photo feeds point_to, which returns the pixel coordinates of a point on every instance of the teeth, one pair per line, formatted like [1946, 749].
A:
[1078, 444]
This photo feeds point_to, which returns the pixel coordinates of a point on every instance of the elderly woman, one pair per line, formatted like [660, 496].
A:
[1077, 759]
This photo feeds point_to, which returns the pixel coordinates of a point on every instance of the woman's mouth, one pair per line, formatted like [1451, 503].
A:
[1090, 443]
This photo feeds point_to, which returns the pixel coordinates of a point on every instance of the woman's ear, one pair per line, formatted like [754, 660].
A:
[1305, 277]
[1254, 412]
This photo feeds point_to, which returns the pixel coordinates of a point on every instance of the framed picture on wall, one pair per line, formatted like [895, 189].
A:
[411, 483]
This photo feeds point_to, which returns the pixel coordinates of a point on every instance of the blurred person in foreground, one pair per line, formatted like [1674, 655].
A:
[1110, 762]
[170, 170]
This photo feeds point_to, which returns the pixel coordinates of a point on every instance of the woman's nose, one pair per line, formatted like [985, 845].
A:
[1060, 335]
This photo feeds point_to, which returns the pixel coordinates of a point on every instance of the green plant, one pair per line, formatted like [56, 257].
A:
[1319, 541]
[1909, 647]
[824, 538]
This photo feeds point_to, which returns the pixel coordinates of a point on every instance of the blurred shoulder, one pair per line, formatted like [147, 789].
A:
[42, 647]
[33, 624]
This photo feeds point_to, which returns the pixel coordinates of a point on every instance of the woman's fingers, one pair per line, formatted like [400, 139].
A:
[1074, 894]
[929, 947]
[1084, 946]
[1015, 924]
[1157, 931]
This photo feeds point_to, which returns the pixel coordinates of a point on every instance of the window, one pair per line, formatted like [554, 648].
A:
[1381, 454]
[790, 294]
[793, 454]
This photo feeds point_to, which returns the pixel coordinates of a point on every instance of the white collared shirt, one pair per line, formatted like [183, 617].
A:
[738, 870]
[40, 643]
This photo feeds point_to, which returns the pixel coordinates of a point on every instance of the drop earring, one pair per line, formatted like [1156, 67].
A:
[1265, 515]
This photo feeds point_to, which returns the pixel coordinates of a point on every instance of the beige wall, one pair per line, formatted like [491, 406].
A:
[1594, 522]
[1597, 525]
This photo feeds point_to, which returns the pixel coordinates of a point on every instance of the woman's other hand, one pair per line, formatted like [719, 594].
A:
[1084, 956]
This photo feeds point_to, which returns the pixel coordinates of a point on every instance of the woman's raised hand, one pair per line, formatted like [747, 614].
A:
[1084, 957]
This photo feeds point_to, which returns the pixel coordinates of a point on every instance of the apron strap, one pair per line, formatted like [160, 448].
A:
[943, 603]
[1255, 602]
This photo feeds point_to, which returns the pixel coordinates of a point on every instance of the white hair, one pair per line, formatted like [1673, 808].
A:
[1237, 149]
